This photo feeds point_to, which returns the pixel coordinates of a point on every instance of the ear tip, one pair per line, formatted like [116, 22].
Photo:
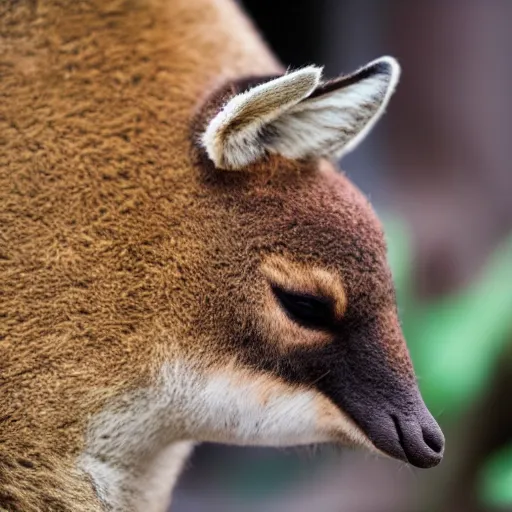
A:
[311, 70]
[387, 66]
[310, 76]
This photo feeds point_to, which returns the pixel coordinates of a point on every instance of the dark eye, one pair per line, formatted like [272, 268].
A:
[307, 310]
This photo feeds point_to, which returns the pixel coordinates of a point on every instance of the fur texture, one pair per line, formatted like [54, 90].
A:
[97, 195]
[227, 404]
[125, 254]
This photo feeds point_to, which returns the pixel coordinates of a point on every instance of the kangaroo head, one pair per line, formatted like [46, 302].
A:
[295, 332]
[177, 270]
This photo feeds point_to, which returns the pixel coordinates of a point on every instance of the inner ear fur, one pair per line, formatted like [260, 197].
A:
[294, 115]
[214, 103]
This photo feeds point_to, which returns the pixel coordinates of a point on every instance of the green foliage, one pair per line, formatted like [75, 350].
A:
[496, 479]
[455, 341]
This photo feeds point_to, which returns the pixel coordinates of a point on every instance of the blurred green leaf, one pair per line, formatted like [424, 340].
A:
[459, 339]
[455, 341]
[399, 252]
[496, 479]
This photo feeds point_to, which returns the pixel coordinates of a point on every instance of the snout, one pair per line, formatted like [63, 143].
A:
[416, 439]
[385, 404]
[367, 373]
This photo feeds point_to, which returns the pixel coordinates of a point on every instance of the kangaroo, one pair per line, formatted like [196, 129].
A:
[181, 261]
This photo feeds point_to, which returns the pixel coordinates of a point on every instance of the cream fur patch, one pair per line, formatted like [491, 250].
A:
[126, 443]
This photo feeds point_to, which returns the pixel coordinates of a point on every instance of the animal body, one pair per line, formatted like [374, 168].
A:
[180, 259]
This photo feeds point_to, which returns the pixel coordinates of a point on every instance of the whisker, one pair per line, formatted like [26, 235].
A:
[321, 377]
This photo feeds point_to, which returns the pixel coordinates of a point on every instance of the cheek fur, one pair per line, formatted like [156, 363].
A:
[253, 408]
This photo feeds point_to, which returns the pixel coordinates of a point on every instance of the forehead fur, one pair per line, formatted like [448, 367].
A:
[309, 213]
[305, 202]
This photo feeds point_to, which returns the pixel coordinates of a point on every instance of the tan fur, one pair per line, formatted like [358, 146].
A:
[301, 279]
[124, 252]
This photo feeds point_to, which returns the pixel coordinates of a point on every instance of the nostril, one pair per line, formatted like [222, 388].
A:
[422, 445]
[433, 440]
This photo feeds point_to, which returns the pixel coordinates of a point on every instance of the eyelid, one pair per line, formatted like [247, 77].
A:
[321, 316]
[304, 279]
[326, 301]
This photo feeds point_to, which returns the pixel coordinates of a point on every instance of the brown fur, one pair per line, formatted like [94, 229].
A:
[120, 245]
[96, 201]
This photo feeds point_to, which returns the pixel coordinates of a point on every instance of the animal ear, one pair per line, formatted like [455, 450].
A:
[298, 116]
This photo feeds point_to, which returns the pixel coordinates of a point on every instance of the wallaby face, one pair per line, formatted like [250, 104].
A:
[300, 308]
[180, 259]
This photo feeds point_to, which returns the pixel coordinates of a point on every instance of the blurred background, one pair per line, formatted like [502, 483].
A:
[437, 168]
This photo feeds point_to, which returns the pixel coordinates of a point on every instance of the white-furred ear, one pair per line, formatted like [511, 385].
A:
[232, 138]
[298, 117]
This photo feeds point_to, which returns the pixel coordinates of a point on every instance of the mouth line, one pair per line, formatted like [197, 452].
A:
[343, 441]
[400, 437]
[358, 437]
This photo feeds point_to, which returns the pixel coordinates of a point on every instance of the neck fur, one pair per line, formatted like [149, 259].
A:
[136, 446]
[142, 486]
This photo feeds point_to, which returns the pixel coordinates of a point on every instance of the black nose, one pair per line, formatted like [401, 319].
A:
[420, 439]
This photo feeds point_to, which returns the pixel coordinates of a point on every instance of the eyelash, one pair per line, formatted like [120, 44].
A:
[307, 310]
